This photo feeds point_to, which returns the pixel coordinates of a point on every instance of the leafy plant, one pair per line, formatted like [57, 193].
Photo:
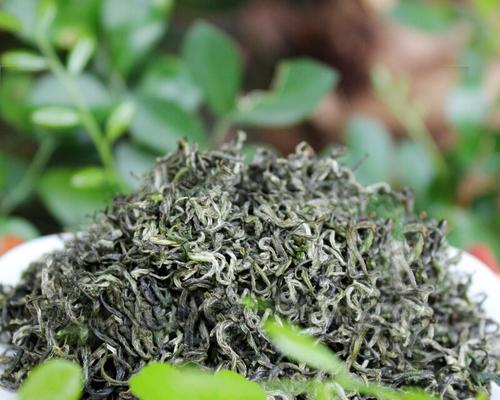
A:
[416, 162]
[152, 100]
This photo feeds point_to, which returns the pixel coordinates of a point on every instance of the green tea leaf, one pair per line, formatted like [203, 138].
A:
[467, 107]
[81, 54]
[487, 377]
[431, 17]
[19, 227]
[55, 117]
[22, 60]
[25, 12]
[15, 90]
[48, 91]
[133, 27]
[71, 206]
[159, 381]
[119, 13]
[215, 65]
[89, 178]
[46, 13]
[9, 22]
[169, 79]
[76, 21]
[160, 124]
[132, 162]
[53, 380]
[120, 120]
[13, 169]
[370, 144]
[303, 348]
[299, 87]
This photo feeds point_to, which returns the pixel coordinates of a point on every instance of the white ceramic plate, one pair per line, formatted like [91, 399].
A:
[484, 281]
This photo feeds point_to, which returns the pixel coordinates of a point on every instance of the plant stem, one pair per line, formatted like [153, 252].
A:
[25, 185]
[86, 117]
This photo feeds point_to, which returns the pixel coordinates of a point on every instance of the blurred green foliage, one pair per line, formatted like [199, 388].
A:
[92, 74]
[92, 86]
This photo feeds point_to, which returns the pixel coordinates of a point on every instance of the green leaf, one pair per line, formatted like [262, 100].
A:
[9, 22]
[12, 170]
[467, 107]
[369, 142]
[215, 65]
[25, 11]
[303, 348]
[160, 124]
[53, 380]
[75, 21]
[414, 166]
[15, 90]
[19, 227]
[159, 381]
[298, 88]
[169, 79]
[119, 13]
[48, 91]
[81, 54]
[129, 45]
[22, 60]
[133, 27]
[487, 377]
[132, 162]
[89, 178]
[432, 17]
[71, 206]
[46, 13]
[119, 120]
[55, 117]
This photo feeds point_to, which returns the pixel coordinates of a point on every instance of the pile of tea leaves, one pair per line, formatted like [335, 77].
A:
[167, 273]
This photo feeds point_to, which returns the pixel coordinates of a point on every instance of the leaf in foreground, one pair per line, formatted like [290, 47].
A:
[53, 380]
[159, 381]
[304, 348]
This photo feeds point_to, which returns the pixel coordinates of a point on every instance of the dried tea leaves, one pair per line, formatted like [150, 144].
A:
[164, 273]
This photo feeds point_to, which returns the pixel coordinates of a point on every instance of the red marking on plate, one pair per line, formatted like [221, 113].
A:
[8, 242]
[484, 253]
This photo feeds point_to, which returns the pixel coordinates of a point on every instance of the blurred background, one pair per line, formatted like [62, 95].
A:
[92, 91]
